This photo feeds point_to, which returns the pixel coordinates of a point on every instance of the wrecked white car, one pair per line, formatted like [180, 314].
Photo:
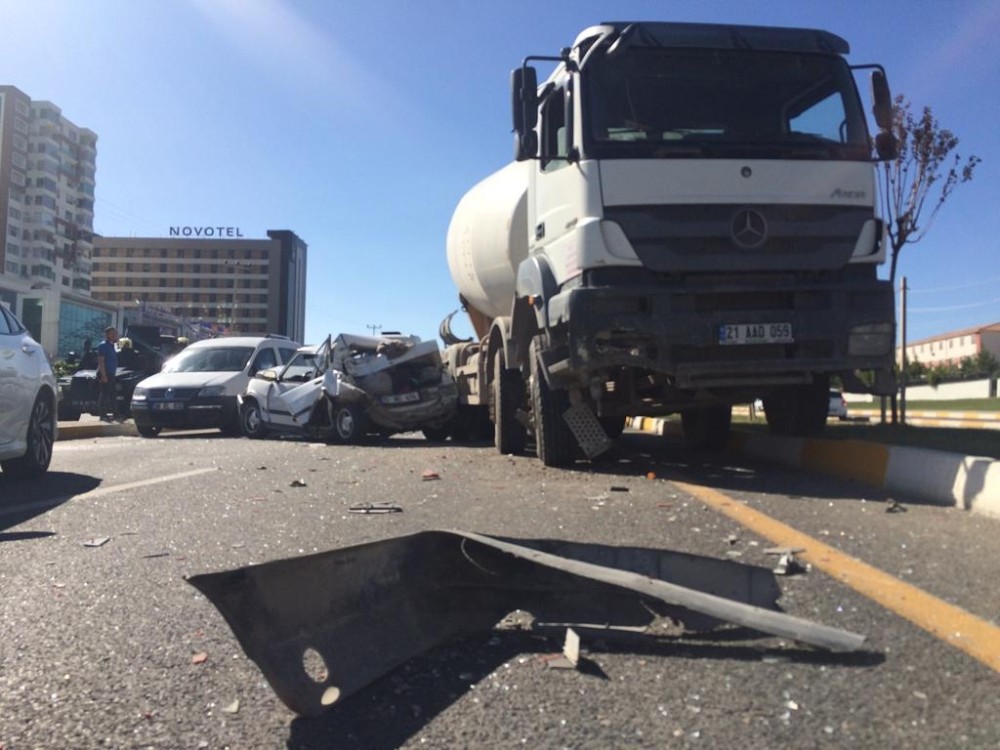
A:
[350, 387]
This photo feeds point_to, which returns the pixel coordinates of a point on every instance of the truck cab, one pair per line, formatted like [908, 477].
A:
[699, 230]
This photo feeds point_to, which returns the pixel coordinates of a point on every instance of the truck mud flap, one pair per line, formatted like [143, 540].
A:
[324, 626]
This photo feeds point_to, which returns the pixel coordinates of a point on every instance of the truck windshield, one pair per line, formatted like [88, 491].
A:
[697, 103]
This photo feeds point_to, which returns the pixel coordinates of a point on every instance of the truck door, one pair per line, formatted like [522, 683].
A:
[558, 193]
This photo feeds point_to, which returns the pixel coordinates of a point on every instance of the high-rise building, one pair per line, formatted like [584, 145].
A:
[208, 279]
[47, 179]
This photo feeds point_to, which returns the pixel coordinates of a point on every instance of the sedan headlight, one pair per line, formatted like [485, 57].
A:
[212, 391]
[139, 394]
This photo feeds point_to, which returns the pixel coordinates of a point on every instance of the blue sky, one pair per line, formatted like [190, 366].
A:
[359, 125]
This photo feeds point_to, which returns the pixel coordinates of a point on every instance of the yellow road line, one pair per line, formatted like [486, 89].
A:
[976, 637]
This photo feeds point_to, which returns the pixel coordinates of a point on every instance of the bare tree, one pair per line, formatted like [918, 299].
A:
[922, 176]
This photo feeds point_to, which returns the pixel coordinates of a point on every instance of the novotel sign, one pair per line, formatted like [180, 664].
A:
[205, 232]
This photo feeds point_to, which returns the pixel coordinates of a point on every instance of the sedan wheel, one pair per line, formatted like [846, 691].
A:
[347, 421]
[38, 452]
[251, 422]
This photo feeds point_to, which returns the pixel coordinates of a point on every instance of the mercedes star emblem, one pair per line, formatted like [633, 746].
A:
[749, 229]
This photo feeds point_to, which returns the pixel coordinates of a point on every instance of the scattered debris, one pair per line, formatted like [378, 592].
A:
[466, 583]
[429, 475]
[232, 708]
[650, 475]
[298, 483]
[619, 489]
[151, 555]
[570, 656]
[894, 506]
[375, 508]
[787, 564]
[200, 658]
[99, 541]
[732, 539]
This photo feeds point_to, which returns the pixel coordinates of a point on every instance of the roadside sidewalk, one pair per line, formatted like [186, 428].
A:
[937, 477]
[91, 427]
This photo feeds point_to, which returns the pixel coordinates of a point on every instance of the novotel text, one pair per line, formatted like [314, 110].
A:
[205, 232]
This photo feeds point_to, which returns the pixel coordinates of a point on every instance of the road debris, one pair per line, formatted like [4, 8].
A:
[428, 475]
[200, 658]
[570, 656]
[787, 564]
[99, 541]
[894, 506]
[371, 508]
[232, 708]
[298, 483]
[618, 488]
[369, 608]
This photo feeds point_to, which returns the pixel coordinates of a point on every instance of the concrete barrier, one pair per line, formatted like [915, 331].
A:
[937, 477]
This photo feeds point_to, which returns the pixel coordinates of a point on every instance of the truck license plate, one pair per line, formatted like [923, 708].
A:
[755, 333]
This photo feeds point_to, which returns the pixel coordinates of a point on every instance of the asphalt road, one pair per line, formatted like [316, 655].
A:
[107, 646]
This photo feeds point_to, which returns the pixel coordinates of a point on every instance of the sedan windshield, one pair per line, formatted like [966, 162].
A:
[211, 359]
[724, 103]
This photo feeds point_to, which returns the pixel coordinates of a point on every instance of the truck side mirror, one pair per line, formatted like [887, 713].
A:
[524, 106]
[881, 100]
[886, 146]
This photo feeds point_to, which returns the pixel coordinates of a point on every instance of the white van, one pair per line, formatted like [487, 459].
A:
[198, 387]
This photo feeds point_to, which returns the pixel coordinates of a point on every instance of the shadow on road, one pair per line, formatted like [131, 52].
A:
[395, 708]
[23, 499]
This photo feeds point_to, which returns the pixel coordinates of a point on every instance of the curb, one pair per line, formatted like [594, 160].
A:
[937, 477]
[93, 429]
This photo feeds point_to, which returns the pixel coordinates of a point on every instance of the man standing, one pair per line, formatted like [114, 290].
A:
[107, 366]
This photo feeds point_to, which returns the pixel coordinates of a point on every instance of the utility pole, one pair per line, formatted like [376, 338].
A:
[374, 328]
[902, 351]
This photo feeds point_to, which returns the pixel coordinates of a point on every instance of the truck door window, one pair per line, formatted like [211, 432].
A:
[554, 132]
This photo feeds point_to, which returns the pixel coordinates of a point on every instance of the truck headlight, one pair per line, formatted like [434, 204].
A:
[212, 391]
[870, 340]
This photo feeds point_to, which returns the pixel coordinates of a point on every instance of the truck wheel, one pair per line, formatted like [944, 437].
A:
[613, 426]
[707, 428]
[509, 435]
[251, 421]
[147, 430]
[38, 451]
[799, 411]
[347, 423]
[554, 441]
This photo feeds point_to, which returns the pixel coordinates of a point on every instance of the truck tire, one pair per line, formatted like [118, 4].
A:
[38, 451]
[252, 421]
[147, 430]
[554, 441]
[707, 429]
[799, 411]
[613, 426]
[509, 435]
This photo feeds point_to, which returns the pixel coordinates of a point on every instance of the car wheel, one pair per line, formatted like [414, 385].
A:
[148, 430]
[38, 452]
[437, 434]
[347, 423]
[251, 421]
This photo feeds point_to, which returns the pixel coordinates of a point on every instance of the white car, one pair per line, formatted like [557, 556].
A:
[28, 425]
[198, 387]
[346, 388]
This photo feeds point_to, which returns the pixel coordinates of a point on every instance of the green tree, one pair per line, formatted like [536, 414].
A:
[926, 170]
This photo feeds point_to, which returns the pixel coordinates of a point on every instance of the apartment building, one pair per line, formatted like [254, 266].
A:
[47, 177]
[952, 347]
[210, 278]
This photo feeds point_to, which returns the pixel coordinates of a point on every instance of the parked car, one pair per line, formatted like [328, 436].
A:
[28, 425]
[141, 353]
[198, 387]
[353, 386]
[838, 406]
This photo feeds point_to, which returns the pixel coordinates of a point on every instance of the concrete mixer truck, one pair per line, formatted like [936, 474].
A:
[689, 223]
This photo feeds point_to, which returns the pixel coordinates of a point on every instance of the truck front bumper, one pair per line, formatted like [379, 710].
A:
[836, 326]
